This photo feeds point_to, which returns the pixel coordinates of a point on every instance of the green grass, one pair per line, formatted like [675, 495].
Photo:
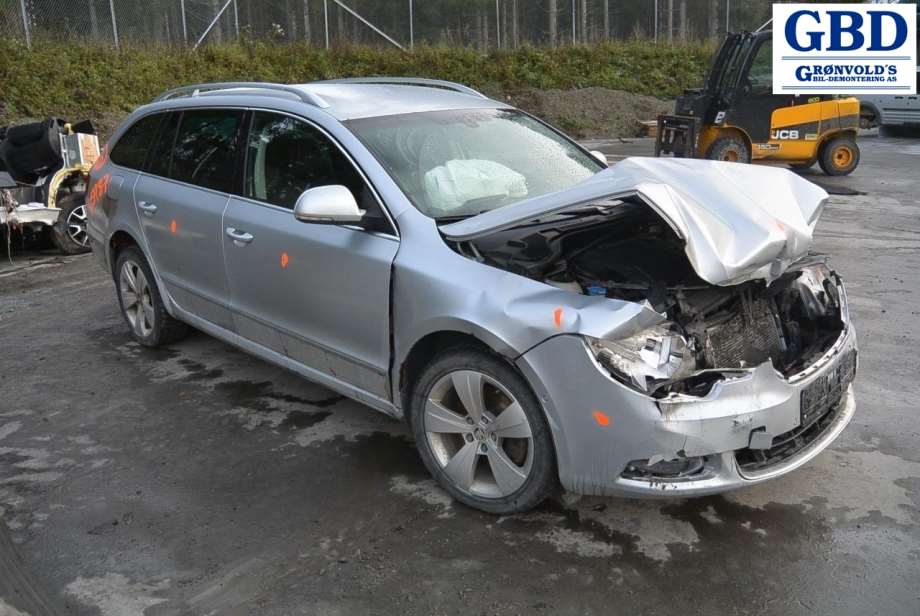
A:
[77, 80]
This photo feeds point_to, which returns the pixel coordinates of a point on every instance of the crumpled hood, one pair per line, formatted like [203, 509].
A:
[739, 222]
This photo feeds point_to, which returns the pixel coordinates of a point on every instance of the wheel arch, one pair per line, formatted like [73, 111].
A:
[872, 109]
[830, 136]
[118, 241]
[426, 348]
[729, 131]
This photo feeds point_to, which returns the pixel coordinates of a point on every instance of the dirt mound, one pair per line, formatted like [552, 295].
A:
[591, 112]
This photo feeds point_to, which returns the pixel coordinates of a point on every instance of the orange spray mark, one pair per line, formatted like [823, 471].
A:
[601, 419]
[285, 259]
[557, 317]
[97, 191]
[173, 226]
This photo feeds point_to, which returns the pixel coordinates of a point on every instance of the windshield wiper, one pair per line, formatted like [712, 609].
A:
[455, 217]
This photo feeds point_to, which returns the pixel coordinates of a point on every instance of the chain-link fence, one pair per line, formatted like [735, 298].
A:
[479, 23]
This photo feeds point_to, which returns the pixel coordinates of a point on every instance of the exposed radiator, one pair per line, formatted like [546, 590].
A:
[744, 338]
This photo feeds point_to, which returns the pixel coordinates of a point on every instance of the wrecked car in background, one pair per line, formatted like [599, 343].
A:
[654, 328]
[43, 170]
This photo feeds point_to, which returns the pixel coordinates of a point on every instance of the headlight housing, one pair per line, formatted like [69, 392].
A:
[648, 359]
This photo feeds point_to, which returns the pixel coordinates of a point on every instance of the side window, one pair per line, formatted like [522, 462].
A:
[162, 151]
[205, 148]
[286, 156]
[761, 73]
[133, 146]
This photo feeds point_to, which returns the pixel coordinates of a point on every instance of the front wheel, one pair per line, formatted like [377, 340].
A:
[839, 156]
[481, 432]
[70, 229]
[731, 149]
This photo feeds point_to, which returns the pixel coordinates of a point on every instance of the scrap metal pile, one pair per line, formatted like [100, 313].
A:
[43, 168]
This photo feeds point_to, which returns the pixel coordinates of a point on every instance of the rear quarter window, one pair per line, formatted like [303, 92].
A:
[131, 149]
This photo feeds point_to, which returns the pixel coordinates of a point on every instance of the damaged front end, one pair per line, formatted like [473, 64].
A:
[746, 371]
[623, 250]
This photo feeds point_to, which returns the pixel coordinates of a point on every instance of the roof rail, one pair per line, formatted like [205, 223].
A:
[194, 90]
[411, 81]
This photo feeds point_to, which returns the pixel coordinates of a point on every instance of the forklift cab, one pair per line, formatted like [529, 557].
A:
[736, 117]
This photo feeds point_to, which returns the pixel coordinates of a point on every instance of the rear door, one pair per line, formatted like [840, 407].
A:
[128, 158]
[318, 293]
[181, 201]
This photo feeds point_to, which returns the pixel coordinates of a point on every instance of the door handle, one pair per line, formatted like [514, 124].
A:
[239, 236]
[148, 208]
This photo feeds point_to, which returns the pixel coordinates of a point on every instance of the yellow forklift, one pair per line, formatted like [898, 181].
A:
[736, 117]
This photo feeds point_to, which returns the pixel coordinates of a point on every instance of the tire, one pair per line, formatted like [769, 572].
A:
[730, 148]
[461, 453]
[146, 317]
[69, 232]
[867, 118]
[839, 156]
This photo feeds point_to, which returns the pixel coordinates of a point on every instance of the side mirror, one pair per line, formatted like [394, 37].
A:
[599, 156]
[327, 205]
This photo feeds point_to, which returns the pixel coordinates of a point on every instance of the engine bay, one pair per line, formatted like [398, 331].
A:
[622, 249]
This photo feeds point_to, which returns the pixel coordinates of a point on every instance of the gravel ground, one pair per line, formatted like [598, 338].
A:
[198, 480]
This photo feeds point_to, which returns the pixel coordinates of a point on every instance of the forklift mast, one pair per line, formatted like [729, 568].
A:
[678, 134]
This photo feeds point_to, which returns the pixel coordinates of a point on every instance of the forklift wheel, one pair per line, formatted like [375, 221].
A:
[730, 149]
[839, 156]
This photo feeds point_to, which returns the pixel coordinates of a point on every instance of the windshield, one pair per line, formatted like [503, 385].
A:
[463, 162]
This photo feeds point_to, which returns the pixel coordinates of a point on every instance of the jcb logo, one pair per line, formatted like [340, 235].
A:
[784, 133]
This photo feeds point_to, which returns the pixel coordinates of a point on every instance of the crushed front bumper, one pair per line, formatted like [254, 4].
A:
[600, 426]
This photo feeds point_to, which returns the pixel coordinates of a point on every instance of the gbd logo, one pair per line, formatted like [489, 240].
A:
[844, 48]
[846, 30]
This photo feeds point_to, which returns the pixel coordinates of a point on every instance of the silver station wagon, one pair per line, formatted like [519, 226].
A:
[658, 327]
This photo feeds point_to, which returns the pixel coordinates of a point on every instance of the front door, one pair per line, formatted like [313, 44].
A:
[180, 204]
[318, 293]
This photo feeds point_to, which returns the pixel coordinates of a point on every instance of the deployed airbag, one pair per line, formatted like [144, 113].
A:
[457, 182]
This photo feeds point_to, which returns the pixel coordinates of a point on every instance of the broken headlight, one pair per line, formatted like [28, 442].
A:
[648, 359]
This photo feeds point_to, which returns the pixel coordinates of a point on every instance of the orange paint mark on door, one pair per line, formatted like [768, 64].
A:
[601, 418]
[173, 226]
[284, 260]
[557, 317]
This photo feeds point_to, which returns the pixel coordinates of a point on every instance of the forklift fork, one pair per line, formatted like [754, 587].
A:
[677, 135]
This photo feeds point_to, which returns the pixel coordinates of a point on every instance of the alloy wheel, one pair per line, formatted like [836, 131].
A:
[479, 434]
[76, 226]
[136, 299]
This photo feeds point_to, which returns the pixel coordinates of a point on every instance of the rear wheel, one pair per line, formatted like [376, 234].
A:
[731, 149]
[839, 156]
[481, 432]
[140, 301]
[70, 229]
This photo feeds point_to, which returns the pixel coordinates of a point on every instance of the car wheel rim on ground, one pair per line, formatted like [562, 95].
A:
[136, 301]
[479, 434]
[76, 226]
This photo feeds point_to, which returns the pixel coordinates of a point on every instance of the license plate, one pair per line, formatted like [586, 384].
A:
[827, 390]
